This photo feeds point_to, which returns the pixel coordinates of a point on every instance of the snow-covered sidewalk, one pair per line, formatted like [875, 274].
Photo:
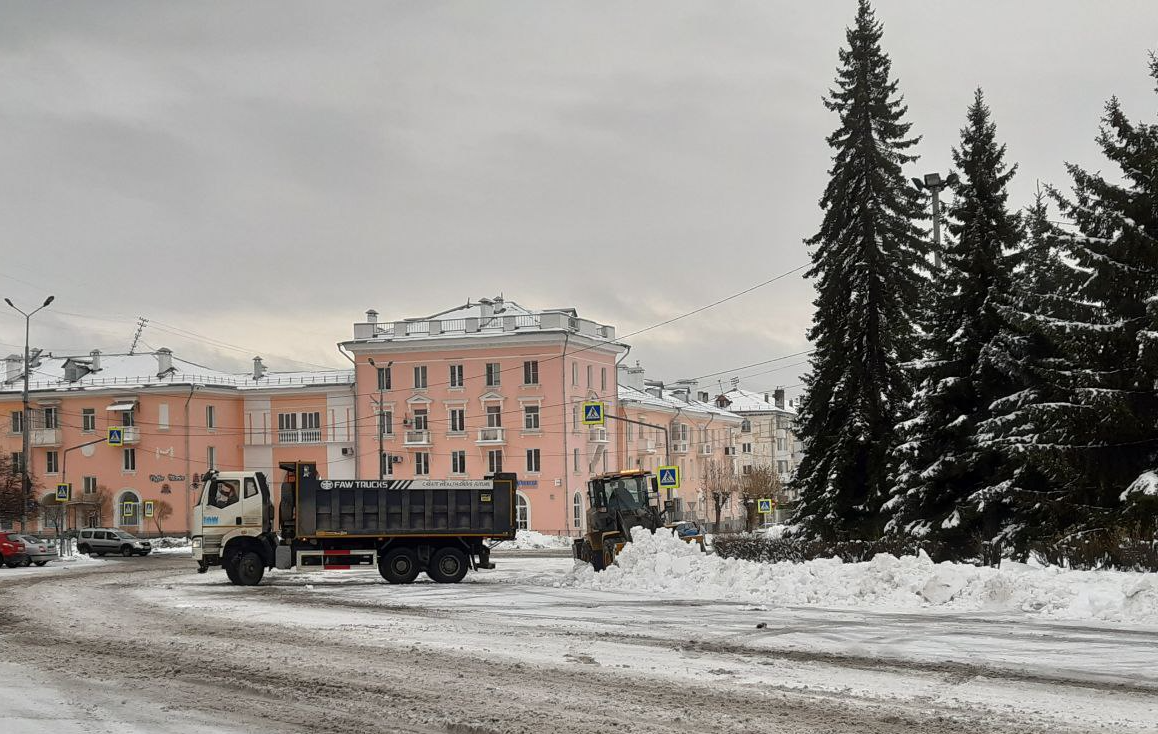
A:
[664, 564]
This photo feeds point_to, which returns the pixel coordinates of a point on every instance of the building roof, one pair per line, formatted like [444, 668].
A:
[670, 400]
[746, 401]
[129, 371]
[488, 317]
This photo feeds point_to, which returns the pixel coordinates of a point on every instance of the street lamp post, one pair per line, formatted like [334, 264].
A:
[933, 183]
[381, 412]
[26, 478]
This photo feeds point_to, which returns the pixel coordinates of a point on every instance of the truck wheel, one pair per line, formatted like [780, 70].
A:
[398, 566]
[596, 559]
[448, 566]
[250, 569]
[230, 567]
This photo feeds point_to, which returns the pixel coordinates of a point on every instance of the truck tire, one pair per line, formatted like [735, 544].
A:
[249, 569]
[448, 566]
[231, 571]
[398, 566]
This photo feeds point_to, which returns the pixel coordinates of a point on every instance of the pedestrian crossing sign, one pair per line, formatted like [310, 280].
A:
[669, 477]
[117, 436]
[593, 414]
[63, 492]
[148, 508]
[765, 506]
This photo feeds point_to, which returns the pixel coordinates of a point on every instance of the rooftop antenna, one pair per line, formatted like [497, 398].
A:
[141, 323]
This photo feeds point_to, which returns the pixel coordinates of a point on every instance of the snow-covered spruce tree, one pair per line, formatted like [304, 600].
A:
[1104, 435]
[944, 488]
[867, 259]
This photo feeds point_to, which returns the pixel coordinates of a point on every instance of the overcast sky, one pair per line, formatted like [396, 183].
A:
[263, 173]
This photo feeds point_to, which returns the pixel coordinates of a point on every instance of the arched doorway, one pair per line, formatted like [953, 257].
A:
[127, 511]
[522, 511]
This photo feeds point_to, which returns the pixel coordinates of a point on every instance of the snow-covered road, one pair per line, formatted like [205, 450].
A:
[148, 645]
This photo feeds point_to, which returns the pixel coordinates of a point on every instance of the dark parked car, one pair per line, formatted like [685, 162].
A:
[12, 550]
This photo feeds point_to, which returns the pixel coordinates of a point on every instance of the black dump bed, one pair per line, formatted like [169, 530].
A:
[420, 507]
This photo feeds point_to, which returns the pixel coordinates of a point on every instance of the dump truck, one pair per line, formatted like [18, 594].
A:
[405, 527]
[616, 503]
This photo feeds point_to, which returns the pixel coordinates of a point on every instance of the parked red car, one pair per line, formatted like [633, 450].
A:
[12, 550]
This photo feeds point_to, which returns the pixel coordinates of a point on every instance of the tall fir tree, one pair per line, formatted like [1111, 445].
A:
[868, 259]
[948, 483]
[1092, 424]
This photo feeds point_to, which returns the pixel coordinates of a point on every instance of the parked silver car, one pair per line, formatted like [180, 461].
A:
[39, 551]
[99, 541]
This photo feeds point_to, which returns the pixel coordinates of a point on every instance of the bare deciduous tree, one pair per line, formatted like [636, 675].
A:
[162, 511]
[718, 480]
[761, 482]
[12, 492]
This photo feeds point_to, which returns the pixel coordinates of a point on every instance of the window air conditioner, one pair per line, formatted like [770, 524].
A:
[396, 458]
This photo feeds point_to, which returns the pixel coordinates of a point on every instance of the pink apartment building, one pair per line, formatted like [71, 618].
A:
[484, 387]
[178, 420]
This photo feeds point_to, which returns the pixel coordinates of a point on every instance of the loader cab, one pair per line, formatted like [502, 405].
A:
[622, 500]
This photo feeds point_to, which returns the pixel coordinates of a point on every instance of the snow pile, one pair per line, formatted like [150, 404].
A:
[532, 540]
[663, 564]
[171, 546]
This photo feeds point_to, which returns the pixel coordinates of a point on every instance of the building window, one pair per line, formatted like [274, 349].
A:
[456, 375]
[383, 378]
[386, 423]
[89, 485]
[457, 420]
[531, 372]
[531, 417]
[17, 462]
[211, 457]
[88, 420]
[746, 448]
[129, 460]
[458, 462]
[50, 418]
[533, 460]
[494, 416]
[52, 462]
[127, 418]
[387, 465]
[575, 417]
[627, 431]
[522, 512]
[128, 509]
[577, 510]
[781, 444]
[747, 469]
[495, 461]
[602, 378]
[746, 426]
[590, 371]
[575, 373]
[210, 417]
[17, 421]
[421, 423]
[311, 427]
[493, 374]
[420, 377]
[575, 461]
[782, 467]
[604, 462]
[421, 464]
[163, 417]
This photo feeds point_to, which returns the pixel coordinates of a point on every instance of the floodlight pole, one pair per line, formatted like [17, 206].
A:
[26, 418]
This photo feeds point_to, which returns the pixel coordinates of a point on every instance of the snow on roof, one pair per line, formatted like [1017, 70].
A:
[669, 400]
[142, 370]
[498, 307]
[746, 401]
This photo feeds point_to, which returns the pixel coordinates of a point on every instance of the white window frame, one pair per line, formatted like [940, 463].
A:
[88, 420]
[531, 418]
[420, 377]
[51, 462]
[495, 460]
[534, 461]
[494, 372]
[456, 375]
[458, 462]
[129, 460]
[422, 464]
[457, 420]
[531, 372]
[522, 511]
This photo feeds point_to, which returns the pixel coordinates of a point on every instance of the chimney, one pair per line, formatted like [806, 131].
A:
[499, 308]
[371, 317]
[779, 393]
[258, 368]
[164, 357]
[13, 367]
[95, 365]
[631, 376]
[486, 308]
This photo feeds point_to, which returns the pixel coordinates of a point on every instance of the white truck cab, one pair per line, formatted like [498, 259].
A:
[232, 505]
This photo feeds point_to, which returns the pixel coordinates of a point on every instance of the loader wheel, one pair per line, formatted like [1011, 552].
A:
[398, 566]
[448, 566]
[249, 569]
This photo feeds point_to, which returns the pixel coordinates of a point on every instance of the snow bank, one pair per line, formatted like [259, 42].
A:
[532, 540]
[661, 563]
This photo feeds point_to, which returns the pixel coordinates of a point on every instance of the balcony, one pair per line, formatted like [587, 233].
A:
[417, 438]
[130, 435]
[491, 435]
[294, 435]
[705, 449]
[679, 447]
[45, 436]
[647, 446]
[598, 434]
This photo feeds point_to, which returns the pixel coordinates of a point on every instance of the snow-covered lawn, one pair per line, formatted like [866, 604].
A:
[661, 563]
